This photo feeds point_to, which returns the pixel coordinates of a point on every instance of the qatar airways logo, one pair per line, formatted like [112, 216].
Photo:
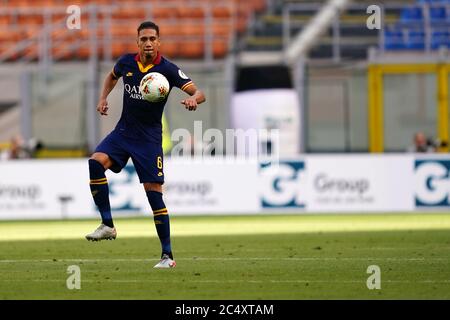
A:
[133, 91]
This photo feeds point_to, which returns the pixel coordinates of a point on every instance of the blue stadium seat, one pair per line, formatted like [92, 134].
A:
[408, 32]
[440, 39]
[394, 40]
[411, 14]
[438, 14]
[415, 40]
[433, 2]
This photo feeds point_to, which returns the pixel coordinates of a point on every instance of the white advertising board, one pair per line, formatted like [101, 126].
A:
[34, 189]
[361, 183]
[55, 189]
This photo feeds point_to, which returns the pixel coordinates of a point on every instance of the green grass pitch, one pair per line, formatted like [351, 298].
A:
[232, 257]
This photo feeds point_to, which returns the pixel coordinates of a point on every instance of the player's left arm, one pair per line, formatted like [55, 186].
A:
[196, 97]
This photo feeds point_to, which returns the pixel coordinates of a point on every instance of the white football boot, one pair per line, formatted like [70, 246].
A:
[103, 232]
[165, 262]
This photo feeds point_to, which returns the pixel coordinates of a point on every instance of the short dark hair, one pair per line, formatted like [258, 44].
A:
[148, 25]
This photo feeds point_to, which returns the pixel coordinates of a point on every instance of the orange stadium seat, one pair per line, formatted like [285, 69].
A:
[222, 29]
[159, 12]
[192, 29]
[116, 50]
[190, 12]
[170, 49]
[167, 29]
[83, 52]
[5, 21]
[19, 3]
[8, 35]
[219, 48]
[121, 47]
[121, 30]
[128, 13]
[221, 12]
[61, 17]
[30, 19]
[193, 49]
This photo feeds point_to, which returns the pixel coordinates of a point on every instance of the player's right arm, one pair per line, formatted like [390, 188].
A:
[109, 84]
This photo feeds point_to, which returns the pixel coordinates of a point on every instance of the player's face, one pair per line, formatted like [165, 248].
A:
[148, 43]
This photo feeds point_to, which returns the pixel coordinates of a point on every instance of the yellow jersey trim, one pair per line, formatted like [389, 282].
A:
[113, 73]
[144, 69]
[190, 83]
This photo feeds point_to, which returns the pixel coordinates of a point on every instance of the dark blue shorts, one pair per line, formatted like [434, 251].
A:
[147, 157]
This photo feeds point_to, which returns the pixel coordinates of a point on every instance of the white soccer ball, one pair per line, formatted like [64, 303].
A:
[154, 87]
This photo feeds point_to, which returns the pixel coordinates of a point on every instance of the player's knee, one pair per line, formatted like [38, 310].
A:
[152, 186]
[96, 169]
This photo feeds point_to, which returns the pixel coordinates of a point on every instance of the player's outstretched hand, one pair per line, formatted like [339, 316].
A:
[102, 107]
[190, 104]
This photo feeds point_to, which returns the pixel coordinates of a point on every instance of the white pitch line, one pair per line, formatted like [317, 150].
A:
[231, 281]
[226, 259]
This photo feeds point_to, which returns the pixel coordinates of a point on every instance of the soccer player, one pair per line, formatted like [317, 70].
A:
[138, 135]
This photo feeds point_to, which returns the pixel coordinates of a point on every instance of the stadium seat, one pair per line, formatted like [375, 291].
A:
[61, 17]
[221, 12]
[5, 21]
[438, 14]
[170, 49]
[30, 19]
[415, 40]
[190, 12]
[222, 29]
[19, 3]
[159, 12]
[394, 40]
[411, 14]
[220, 48]
[125, 13]
[8, 35]
[84, 51]
[440, 39]
[169, 29]
[121, 30]
[192, 29]
[191, 49]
